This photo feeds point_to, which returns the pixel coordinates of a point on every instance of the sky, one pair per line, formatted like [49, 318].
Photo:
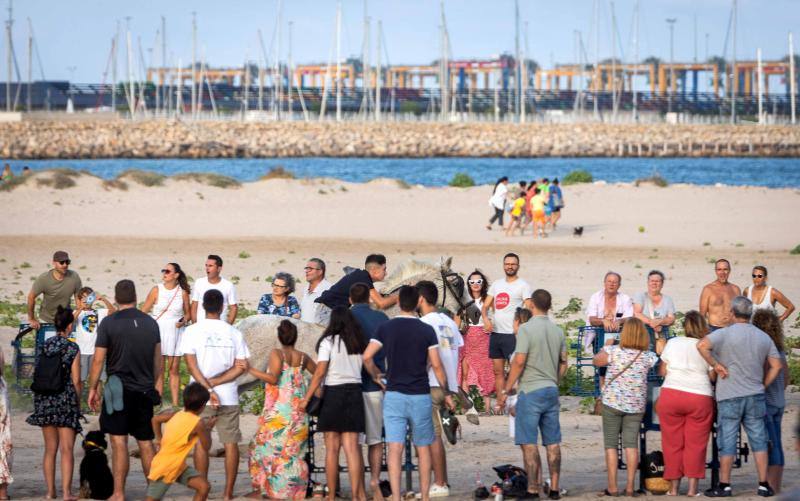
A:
[74, 37]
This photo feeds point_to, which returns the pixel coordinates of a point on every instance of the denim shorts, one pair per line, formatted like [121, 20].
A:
[773, 423]
[537, 411]
[401, 410]
[748, 411]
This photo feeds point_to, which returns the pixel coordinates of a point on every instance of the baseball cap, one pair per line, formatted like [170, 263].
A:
[60, 256]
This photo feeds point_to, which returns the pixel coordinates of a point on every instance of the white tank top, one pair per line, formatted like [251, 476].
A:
[173, 307]
[766, 302]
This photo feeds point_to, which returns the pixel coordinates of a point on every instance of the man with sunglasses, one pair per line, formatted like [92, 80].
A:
[715, 300]
[57, 288]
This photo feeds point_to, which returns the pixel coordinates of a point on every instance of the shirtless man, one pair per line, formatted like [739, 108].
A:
[715, 300]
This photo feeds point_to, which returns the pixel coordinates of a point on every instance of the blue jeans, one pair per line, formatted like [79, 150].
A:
[538, 411]
[773, 423]
[401, 410]
[748, 411]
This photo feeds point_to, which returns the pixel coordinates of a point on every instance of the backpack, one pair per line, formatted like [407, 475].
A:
[49, 374]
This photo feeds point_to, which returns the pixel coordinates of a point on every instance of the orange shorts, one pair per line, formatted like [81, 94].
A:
[538, 217]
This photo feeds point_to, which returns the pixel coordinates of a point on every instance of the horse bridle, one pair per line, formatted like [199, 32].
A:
[462, 306]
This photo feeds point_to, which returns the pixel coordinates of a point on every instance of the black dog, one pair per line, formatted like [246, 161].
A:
[96, 479]
[577, 231]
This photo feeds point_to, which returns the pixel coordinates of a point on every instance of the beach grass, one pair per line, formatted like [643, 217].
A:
[278, 172]
[655, 179]
[211, 179]
[143, 177]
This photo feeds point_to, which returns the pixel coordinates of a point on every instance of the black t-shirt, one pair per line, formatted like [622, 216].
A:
[130, 337]
[339, 293]
[406, 342]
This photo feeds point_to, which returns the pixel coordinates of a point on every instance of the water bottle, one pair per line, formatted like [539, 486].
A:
[497, 491]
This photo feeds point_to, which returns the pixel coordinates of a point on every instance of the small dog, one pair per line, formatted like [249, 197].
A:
[577, 231]
[96, 479]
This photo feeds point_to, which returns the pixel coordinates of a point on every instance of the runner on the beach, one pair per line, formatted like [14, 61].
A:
[715, 300]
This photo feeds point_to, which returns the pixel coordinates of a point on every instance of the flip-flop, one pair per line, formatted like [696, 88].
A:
[606, 493]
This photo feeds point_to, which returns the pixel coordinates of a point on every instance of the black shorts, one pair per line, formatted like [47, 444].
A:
[134, 419]
[502, 346]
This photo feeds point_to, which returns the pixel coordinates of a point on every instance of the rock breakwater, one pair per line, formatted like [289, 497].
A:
[177, 139]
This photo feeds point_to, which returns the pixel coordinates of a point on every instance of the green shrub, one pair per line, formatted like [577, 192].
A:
[576, 177]
[462, 180]
[144, 177]
[60, 179]
[402, 184]
[10, 313]
[278, 173]
[794, 370]
[252, 401]
[795, 251]
[115, 184]
[244, 255]
[575, 305]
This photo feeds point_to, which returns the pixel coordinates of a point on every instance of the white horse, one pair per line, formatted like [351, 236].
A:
[260, 331]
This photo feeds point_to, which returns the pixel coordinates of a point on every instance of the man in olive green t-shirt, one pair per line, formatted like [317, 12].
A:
[57, 287]
[539, 362]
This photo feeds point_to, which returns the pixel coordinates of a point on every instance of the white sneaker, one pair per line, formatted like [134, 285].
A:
[436, 491]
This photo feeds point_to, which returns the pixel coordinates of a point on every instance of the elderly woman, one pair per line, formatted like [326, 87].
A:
[655, 309]
[280, 302]
[624, 399]
[686, 405]
[764, 297]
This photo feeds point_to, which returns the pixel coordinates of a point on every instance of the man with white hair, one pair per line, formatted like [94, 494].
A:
[738, 354]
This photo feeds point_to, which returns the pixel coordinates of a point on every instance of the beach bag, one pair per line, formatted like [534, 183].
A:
[48, 375]
[654, 473]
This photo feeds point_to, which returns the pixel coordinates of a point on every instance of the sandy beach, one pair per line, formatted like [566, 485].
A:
[268, 226]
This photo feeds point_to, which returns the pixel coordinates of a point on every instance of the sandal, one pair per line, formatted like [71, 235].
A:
[631, 494]
[606, 493]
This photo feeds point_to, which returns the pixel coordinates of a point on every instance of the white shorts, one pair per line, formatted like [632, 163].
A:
[373, 412]
[170, 339]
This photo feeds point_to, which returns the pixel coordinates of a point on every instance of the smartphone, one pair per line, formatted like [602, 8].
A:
[90, 299]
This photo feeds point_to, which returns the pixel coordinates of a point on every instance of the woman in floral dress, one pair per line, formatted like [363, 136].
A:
[6, 447]
[59, 414]
[277, 452]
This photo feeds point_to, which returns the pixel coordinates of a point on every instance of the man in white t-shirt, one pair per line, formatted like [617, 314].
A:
[450, 341]
[212, 350]
[213, 280]
[315, 313]
[504, 297]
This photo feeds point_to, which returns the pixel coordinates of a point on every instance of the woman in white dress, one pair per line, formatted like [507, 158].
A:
[168, 304]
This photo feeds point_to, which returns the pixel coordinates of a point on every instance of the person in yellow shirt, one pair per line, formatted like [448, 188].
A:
[182, 431]
[516, 214]
[538, 202]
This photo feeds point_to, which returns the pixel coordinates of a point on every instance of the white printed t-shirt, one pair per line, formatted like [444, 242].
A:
[508, 296]
[450, 340]
[201, 285]
[217, 345]
[86, 329]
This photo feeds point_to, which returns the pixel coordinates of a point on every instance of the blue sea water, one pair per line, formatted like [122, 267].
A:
[770, 172]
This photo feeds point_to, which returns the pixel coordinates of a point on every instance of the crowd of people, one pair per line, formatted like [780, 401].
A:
[376, 376]
[538, 203]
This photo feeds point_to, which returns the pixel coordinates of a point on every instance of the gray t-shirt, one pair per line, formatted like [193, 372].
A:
[743, 349]
[543, 342]
[664, 309]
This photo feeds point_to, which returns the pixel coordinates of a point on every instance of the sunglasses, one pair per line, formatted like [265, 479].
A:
[758, 276]
[66, 261]
[279, 286]
[309, 268]
[166, 271]
[477, 281]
